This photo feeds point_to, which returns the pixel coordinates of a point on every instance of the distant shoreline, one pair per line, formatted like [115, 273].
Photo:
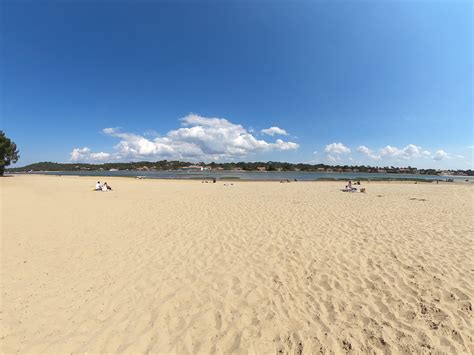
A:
[250, 176]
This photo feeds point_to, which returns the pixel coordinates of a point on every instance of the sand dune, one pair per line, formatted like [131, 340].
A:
[257, 267]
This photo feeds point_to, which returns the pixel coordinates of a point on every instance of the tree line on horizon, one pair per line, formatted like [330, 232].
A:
[9, 154]
[164, 165]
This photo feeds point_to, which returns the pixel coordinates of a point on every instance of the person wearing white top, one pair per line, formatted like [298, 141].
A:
[98, 187]
[104, 187]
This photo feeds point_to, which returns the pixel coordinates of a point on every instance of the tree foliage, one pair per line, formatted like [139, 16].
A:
[172, 165]
[8, 152]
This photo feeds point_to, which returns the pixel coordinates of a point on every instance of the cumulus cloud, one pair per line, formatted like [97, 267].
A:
[282, 145]
[79, 153]
[364, 150]
[151, 133]
[412, 150]
[337, 148]
[407, 152]
[199, 138]
[274, 130]
[334, 151]
[99, 156]
[440, 155]
[390, 151]
[85, 155]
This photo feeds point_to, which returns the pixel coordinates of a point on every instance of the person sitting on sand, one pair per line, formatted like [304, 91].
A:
[98, 186]
[106, 187]
[349, 187]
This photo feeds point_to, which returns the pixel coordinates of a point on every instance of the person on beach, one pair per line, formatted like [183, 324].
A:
[106, 187]
[98, 186]
[349, 187]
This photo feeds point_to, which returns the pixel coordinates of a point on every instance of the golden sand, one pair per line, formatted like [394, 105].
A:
[253, 267]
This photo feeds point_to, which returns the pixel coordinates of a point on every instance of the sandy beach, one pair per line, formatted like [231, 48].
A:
[255, 267]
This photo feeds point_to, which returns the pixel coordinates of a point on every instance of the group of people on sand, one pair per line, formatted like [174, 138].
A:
[102, 187]
[349, 187]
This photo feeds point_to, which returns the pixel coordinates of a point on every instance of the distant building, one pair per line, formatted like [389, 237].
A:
[261, 168]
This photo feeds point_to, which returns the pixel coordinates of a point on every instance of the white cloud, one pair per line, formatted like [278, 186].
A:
[440, 155]
[99, 156]
[199, 138]
[332, 158]
[282, 145]
[274, 130]
[151, 133]
[85, 154]
[364, 150]
[337, 148]
[407, 152]
[412, 150]
[390, 151]
[334, 150]
[110, 130]
[79, 153]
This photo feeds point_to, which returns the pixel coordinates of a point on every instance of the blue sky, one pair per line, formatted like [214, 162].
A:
[378, 83]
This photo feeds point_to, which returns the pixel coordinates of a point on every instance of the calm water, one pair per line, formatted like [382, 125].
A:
[242, 175]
